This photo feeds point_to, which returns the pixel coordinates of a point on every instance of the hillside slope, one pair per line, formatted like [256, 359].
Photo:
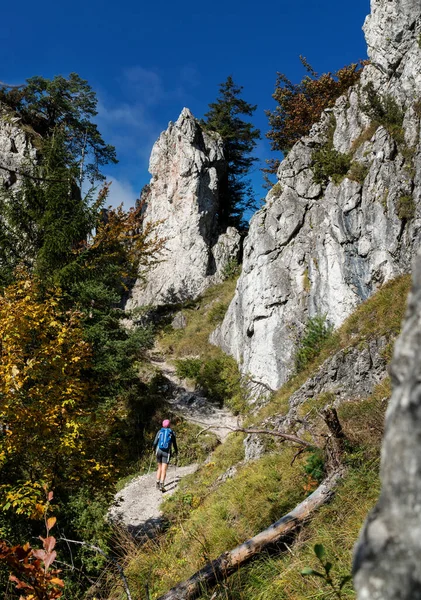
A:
[236, 493]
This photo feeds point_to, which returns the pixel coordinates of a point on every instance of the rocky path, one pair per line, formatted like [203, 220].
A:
[137, 505]
[192, 406]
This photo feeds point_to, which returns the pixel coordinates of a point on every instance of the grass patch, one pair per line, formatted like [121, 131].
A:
[261, 492]
[405, 208]
[358, 172]
[365, 136]
[336, 526]
[202, 316]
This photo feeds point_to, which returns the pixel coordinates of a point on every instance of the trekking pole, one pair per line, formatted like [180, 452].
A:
[150, 464]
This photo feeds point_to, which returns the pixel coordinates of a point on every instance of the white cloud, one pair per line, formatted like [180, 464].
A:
[121, 191]
[145, 84]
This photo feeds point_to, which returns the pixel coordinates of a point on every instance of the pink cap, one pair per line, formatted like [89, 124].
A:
[165, 423]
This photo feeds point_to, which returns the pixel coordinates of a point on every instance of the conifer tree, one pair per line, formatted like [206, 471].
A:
[239, 137]
[68, 104]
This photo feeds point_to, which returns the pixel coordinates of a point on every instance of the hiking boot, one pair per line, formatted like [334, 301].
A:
[163, 490]
[158, 485]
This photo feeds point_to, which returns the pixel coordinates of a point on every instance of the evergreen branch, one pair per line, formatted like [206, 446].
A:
[33, 177]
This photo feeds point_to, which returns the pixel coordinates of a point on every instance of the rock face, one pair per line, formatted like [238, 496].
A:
[16, 149]
[320, 249]
[187, 165]
[388, 555]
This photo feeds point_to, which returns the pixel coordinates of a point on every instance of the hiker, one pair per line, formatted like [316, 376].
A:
[164, 440]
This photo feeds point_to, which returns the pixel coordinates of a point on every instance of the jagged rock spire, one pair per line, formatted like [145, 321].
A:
[187, 165]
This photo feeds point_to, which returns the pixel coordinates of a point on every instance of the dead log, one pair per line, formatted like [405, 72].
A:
[228, 562]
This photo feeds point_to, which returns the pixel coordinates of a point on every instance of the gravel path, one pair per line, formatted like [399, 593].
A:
[137, 504]
[193, 407]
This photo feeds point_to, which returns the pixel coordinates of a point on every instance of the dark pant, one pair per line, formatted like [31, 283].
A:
[163, 457]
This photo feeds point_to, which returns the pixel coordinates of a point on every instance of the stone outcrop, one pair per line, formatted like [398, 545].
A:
[187, 165]
[16, 148]
[321, 249]
[388, 555]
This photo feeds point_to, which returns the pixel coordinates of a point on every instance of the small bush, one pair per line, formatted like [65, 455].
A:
[405, 208]
[328, 164]
[358, 172]
[220, 379]
[384, 110]
[316, 332]
[231, 269]
[188, 368]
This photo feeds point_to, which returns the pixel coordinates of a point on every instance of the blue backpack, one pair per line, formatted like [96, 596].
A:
[164, 439]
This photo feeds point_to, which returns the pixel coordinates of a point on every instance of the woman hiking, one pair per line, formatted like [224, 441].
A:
[164, 440]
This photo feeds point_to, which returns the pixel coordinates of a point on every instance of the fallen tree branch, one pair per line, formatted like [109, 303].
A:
[285, 436]
[228, 562]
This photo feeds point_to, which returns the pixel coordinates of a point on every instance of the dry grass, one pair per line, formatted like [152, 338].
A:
[202, 317]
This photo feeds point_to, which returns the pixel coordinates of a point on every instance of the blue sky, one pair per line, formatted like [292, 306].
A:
[148, 60]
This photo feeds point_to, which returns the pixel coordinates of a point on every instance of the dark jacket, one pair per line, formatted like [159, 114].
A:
[173, 442]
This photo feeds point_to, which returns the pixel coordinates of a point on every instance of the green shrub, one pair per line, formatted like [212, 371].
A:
[188, 368]
[220, 380]
[316, 332]
[231, 269]
[405, 208]
[328, 164]
[358, 172]
[384, 110]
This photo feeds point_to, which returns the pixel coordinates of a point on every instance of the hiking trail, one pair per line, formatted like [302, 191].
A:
[137, 505]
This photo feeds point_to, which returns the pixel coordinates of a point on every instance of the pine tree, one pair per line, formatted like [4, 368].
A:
[239, 139]
[68, 104]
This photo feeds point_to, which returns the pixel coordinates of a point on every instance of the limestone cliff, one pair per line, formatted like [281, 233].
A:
[187, 164]
[320, 247]
[16, 148]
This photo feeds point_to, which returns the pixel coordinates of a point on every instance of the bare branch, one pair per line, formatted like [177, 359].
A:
[284, 436]
[33, 177]
[110, 558]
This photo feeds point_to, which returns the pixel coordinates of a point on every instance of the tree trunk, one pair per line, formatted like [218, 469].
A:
[335, 444]
[230, 561]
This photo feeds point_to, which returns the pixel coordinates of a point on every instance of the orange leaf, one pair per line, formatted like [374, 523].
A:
[51, 522]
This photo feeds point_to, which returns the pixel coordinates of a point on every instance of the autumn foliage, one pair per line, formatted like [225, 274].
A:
[45, 397]
[30, 568]
[300, 105]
